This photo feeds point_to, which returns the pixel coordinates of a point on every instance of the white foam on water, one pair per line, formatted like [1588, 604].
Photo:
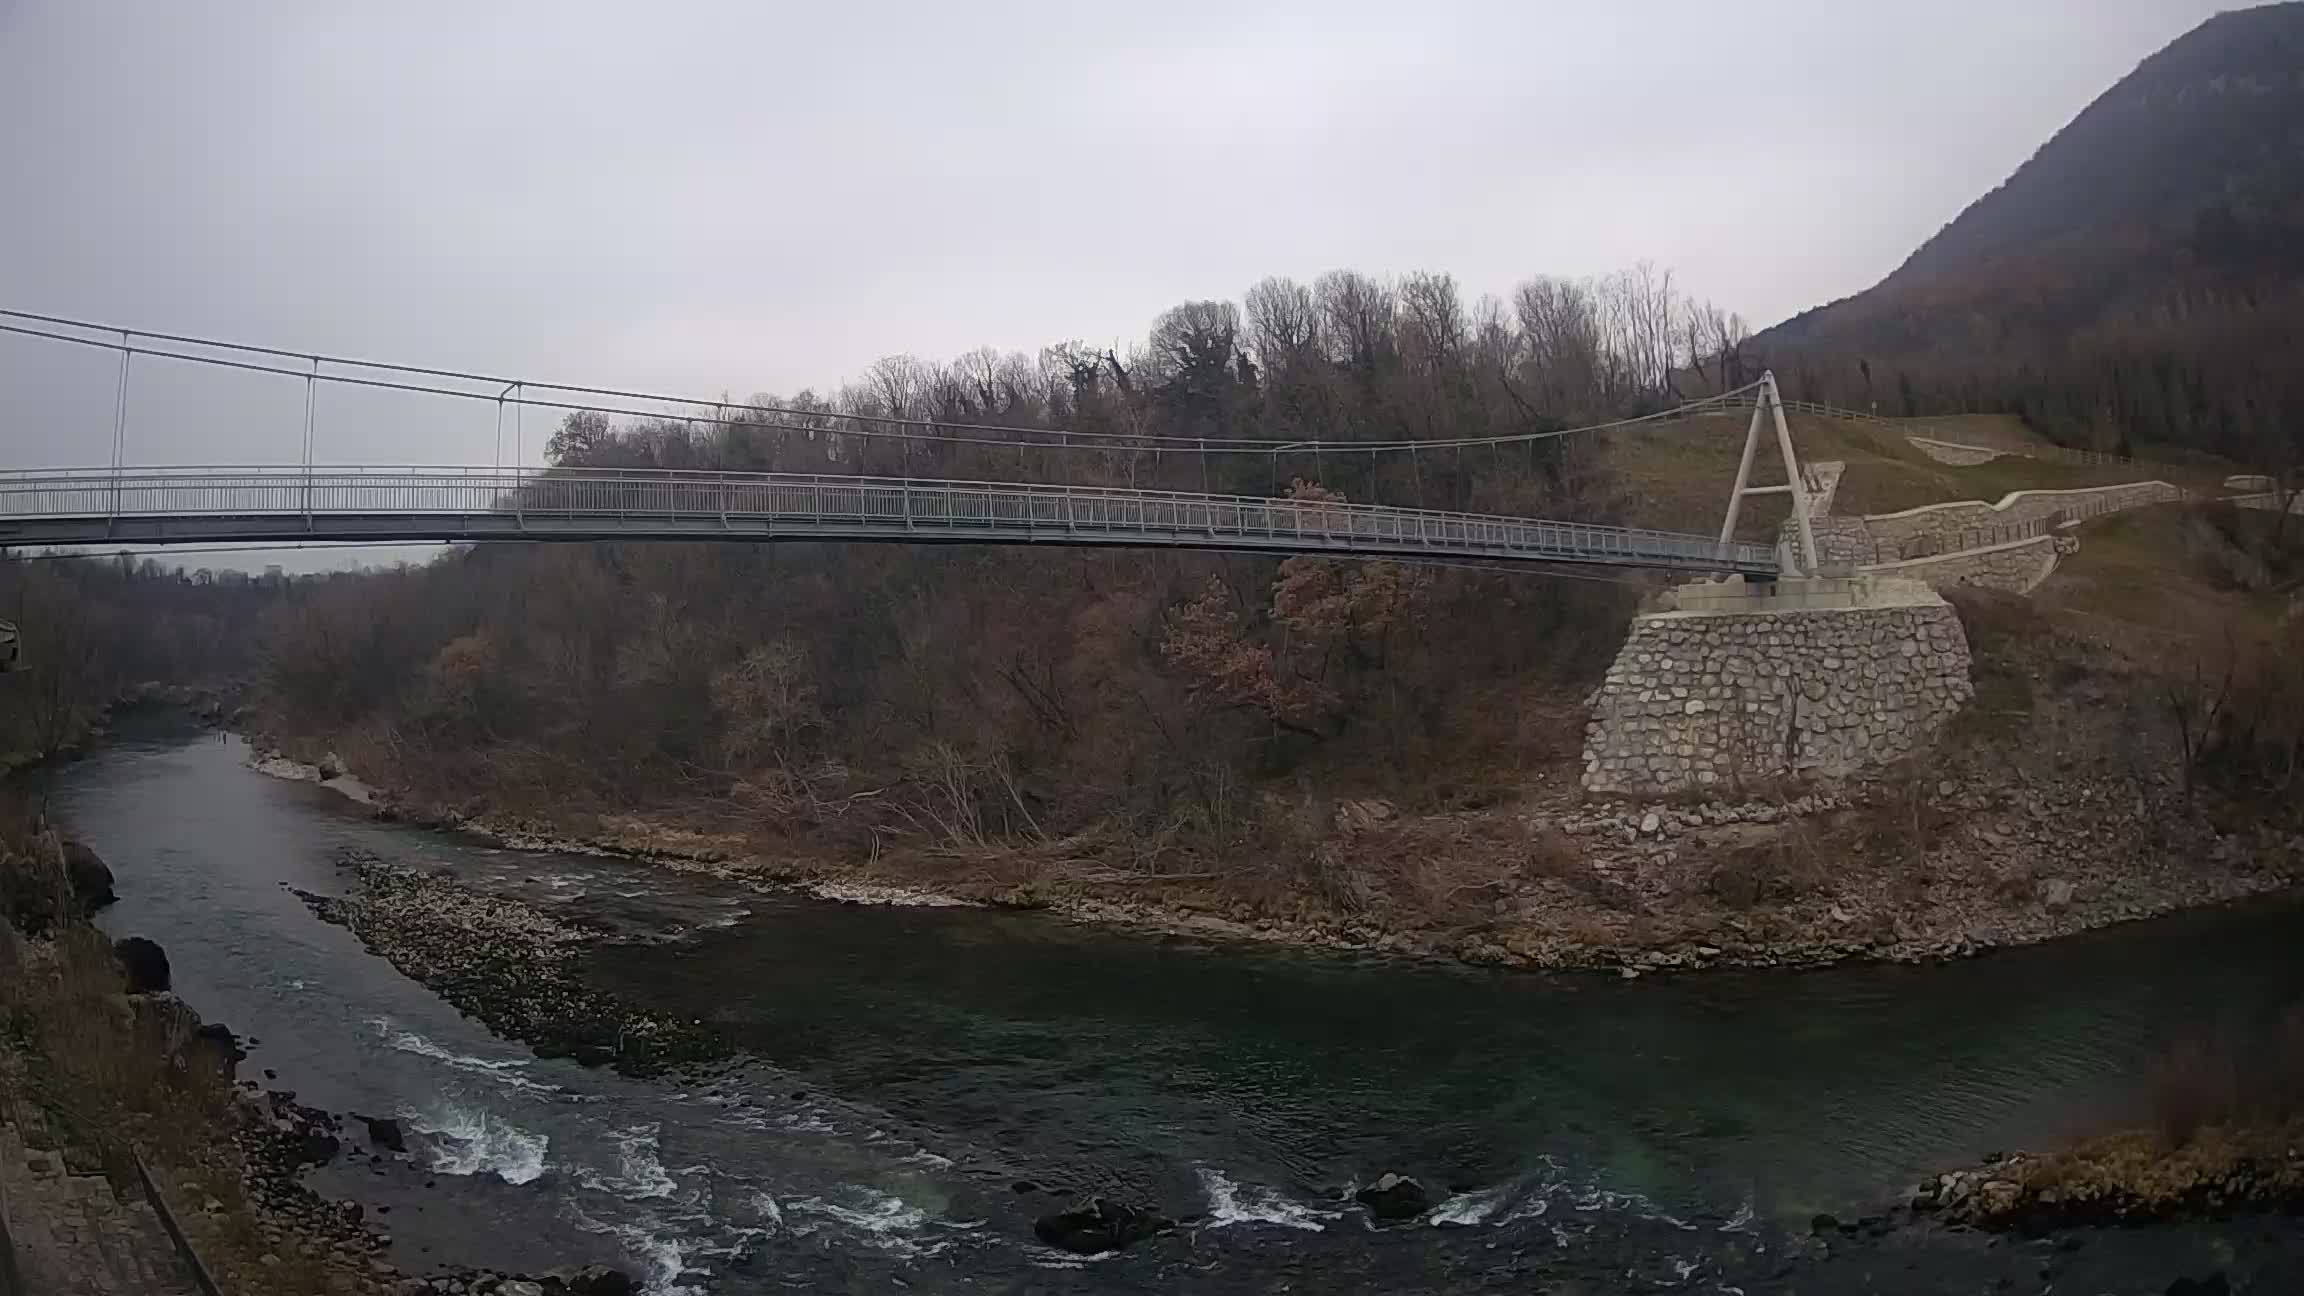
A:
[1466, 1209]
[1602, 1199]
[1741, 1221]
[879, 1219]
[663, 1251]
[503, 1071]
[1503, 1204]
[1231, 1203]
[745, 1115]
[473, 1142]
[1050, 1258]
[640, 1174]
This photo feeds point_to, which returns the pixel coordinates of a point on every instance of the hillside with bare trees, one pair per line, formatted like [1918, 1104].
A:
[1161, 707]
[2138, 285]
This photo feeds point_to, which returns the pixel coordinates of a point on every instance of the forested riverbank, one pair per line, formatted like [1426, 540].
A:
[1540, 1113]
[2067, 799]
[1370, 754]
[1372, 758]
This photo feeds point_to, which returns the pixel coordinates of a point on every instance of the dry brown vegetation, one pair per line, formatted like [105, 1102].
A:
[2229, 1108]
[105, 1073]
[94, 629]
[1155, 713]
[1352, 745]
[2239, 1076]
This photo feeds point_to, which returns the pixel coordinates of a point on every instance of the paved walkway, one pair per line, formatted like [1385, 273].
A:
[73, 1235]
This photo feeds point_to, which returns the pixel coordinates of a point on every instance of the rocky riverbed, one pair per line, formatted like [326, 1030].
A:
[508, 965]
[2125, 1179]
[1876, 867]
[907, 1068]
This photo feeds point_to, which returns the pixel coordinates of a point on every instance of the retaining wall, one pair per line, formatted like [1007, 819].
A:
[1701, 699]
[1959, 456]
[1846, 541]
[2017, 567]
[1941, 522]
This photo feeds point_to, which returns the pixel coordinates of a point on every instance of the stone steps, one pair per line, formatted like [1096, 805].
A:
[74, 1236]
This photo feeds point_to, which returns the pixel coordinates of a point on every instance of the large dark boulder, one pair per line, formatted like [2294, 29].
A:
[90, 877]
[1097, 1226]
[145, 964]
[314, 1147]
[594, 1280]
[222, 1045]
[1394, 1198]
[385, 1133]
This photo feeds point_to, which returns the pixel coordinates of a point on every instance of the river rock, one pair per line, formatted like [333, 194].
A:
[594, 1280]
[1393, 1198]
[311, 1145]
[90, 877]
[519, 1287]
[385, 1133]
[145, 964]
[222, 1045]
[1098, 1226]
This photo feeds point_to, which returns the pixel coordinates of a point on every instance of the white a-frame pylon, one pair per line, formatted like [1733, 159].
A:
[1771, 406]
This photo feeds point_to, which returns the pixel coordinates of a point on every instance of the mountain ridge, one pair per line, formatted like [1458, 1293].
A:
[2168, 212]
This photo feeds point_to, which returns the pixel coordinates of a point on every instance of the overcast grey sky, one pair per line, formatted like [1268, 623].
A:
[751, 197]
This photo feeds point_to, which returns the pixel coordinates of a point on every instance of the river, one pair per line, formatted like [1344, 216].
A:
[921, 1082]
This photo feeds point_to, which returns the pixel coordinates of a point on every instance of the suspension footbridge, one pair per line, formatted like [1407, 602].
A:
[125, 504]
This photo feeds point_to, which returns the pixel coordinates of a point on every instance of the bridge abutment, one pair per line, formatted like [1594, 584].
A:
[1733, 684]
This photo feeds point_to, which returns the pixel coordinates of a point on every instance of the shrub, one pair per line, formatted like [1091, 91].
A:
[2235, 1077]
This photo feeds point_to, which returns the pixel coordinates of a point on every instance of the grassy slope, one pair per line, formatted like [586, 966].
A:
[1677, 475]
[2147, 581]
[2158, 583]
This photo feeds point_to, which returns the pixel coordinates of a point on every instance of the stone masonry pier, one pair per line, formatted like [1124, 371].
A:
[1734, 683]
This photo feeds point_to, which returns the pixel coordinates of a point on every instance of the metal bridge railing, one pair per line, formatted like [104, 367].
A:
[488, 502]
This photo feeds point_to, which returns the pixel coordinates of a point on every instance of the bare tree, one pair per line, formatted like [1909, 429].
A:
[1356, 315]
[1283, 325]
[1432, 325]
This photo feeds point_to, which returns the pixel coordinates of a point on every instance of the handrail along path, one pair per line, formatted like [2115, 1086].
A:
[295, 503]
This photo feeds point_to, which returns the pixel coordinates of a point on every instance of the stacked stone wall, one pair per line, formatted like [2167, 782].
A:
[1846, 541]
[1940, 523]
[2014, 568]
[1699, 700]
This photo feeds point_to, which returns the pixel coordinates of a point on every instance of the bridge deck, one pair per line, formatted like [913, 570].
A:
[146, 506]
